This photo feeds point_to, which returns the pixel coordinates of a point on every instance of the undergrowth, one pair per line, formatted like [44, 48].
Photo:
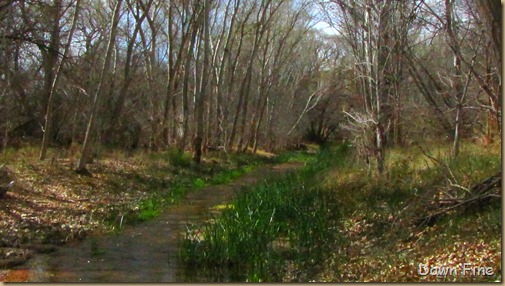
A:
[384, 242]
[334, 221]
[283, 219]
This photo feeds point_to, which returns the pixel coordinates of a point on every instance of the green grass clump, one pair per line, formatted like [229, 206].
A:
[295, 156]
[285, 218]
[148, 209]
[178, 158]
[199, 183]
[230, 175]
[264, 227]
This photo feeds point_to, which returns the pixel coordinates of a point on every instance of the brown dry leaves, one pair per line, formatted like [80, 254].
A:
[52, 204]
[368, 259]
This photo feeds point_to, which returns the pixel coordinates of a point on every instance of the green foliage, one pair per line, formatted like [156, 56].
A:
[226, 177]
[295, 156]
[284, 218]
[264, 226]
[178, 158]
[148, 209]
[199, 183]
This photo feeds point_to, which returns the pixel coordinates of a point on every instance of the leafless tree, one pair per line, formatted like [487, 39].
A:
[90, 130]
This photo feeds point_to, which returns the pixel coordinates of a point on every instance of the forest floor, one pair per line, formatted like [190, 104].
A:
[51, 205]
[380, 237]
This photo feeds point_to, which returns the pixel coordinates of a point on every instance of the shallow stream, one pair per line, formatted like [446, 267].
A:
[146, 252]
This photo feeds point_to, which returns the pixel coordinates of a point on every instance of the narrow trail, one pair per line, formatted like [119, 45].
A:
[142, 253]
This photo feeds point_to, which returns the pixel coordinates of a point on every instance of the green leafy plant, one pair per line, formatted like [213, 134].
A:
[178, 158]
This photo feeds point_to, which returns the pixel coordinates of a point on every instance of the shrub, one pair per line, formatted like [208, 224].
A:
[178, 158]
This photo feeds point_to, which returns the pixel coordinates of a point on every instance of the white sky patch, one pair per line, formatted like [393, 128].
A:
[325, 27]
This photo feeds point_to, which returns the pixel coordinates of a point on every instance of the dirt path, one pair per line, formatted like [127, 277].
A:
[143, 253]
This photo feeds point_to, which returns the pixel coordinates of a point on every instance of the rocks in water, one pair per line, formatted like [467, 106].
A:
[10, 257]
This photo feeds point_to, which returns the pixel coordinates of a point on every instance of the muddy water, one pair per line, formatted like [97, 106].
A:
[146, 252]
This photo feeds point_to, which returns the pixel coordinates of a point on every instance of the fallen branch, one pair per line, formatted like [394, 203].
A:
[478, 195]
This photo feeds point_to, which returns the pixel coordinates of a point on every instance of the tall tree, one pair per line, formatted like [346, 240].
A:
[90, 130]
[200, 100]
[139, 15]
[491, 13]
[368, 27]
[197, 13]
[48, 126]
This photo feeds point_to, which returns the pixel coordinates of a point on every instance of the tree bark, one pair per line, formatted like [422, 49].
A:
[232, 71]
[200, 104]
[185, 88]
[491, 13]
[118, 107]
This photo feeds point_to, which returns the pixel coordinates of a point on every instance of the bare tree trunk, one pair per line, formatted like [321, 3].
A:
[271, 107]
[272, 79]
[233, 68]
[262, 93]
[459, 89]
[118, 108]
[261, 27]
[87, 145]
[456, 83]
[174, 67]
[220, 76]
[150, 57]
[491, 13]
[401, 31]
[200, 104]
[384, 74]
[48, 127]
[185, 88]
[255, 135]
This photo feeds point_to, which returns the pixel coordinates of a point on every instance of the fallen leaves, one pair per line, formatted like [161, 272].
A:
[50, 204]
[393, 259]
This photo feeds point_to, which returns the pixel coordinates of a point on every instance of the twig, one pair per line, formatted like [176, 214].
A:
[431, 216]
[460, 187]
[441, 164]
